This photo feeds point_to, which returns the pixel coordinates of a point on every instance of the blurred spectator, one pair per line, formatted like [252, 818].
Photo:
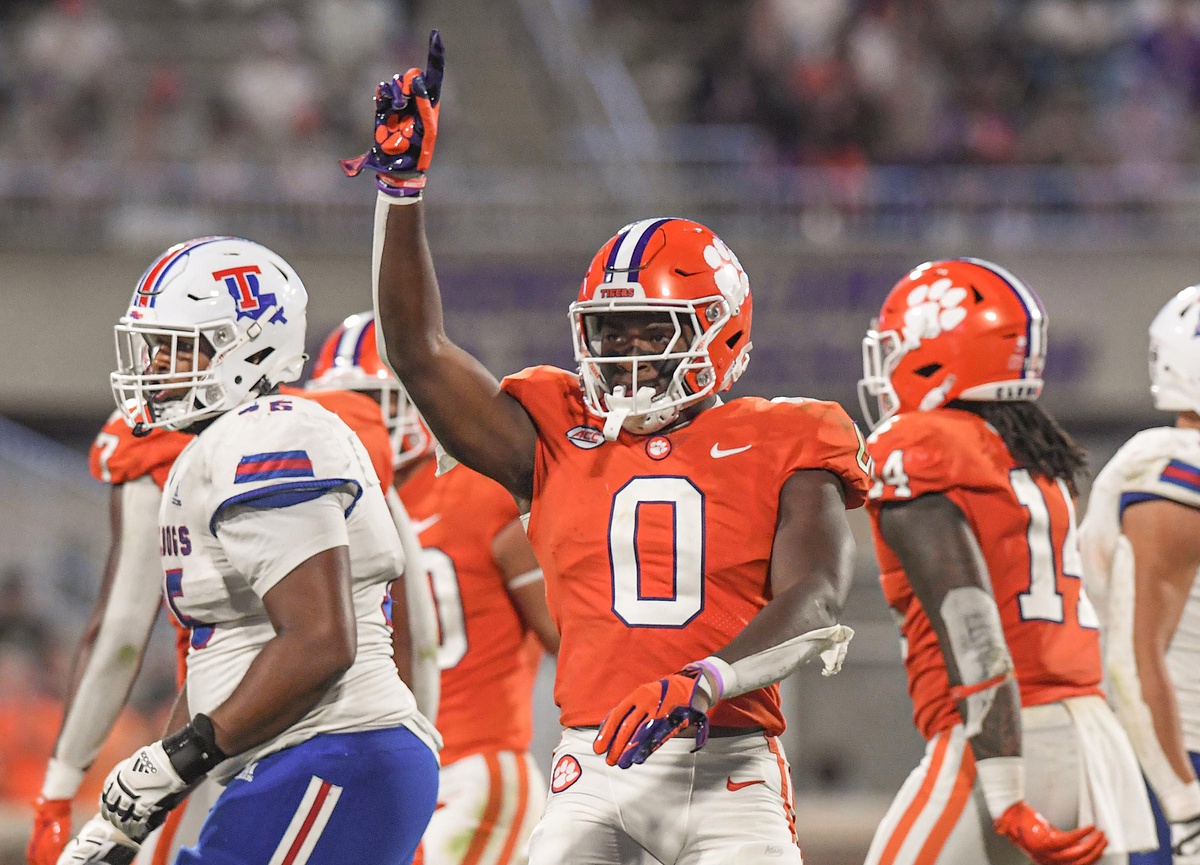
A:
[273, 92]
[71, 54]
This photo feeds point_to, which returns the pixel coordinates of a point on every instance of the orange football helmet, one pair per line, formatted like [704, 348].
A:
[681, 270]
[349, 360]
[957, 329]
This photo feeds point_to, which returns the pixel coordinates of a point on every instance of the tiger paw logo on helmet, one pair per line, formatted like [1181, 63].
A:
[932, 310]
[731, 279]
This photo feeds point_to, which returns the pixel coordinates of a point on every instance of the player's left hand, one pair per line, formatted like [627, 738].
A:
[649, 716]
[51, 829]
[99, 842]
[406, 126]
[140, 790]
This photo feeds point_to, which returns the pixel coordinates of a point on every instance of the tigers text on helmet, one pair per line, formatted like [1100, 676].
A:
[1175, 353]
[955, 329]
[349, 360]
[232, 301]
[679, 273]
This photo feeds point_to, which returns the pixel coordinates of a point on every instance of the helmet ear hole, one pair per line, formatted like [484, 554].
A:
[928, 370]
[732, 341]
[259, 356]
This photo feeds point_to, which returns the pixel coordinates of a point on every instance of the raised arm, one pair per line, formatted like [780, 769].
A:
[474, 420]
[949, 576]
[106, 661]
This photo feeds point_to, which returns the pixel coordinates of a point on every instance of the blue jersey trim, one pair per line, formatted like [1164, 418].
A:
[285, 495]
[1128, 499]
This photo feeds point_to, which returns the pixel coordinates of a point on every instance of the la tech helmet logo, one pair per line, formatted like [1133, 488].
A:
[243, 286]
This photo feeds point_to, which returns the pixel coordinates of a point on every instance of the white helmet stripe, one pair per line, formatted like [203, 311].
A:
[632, 243]
[353, 330]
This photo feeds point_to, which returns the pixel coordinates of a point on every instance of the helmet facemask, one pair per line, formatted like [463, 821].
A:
[881, 354]
[644, 393]
[158, 382]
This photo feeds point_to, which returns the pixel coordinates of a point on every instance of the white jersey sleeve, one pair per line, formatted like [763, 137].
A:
[1162, 463]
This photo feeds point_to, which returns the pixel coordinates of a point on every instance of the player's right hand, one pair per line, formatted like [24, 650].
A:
[406, 126]
[1045, 844]
[51, 830]
[99, 842]
[1185, 842]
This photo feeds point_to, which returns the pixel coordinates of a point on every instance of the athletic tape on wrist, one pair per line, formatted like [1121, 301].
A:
[1181, 804]
[193, 751]
[775, 662]
[979, 650]
[1002, 780]
[62, 781]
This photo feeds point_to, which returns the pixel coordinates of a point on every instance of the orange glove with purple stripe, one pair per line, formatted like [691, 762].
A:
[406, 126]
[649, 716]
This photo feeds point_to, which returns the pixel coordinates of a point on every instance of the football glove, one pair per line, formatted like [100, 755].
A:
[1185, 842]
[99, 842]
[1046, 845]
[406, 127]
[649, 716]
[143, 788]
[51, 830]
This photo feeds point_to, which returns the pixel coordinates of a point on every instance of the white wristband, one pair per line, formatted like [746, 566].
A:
[384, 198]
[1002, 780]
[62, 781]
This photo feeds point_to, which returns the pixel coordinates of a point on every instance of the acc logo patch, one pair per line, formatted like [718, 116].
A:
[566, 772]
[586, 437]
[658, 448]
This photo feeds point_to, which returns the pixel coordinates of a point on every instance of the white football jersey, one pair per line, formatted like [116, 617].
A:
[233, 525]
[1160, 463]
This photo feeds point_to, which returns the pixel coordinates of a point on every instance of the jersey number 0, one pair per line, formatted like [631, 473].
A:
[687, 600]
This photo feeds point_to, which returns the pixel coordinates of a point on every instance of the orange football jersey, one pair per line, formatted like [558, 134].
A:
[488, 658]
[656, 548]
[1025, 526]
[118, 456]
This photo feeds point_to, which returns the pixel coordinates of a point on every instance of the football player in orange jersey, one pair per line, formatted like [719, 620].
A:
[974, 518]
[110, 650]
[492, 620]
[695, 552]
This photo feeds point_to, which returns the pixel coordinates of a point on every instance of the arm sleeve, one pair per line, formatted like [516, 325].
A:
[267, 543]
[129, 613]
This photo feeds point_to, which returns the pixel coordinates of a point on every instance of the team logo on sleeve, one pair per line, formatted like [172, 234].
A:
[276, 464]
[586, 437]
[566, 772]
[243, 286]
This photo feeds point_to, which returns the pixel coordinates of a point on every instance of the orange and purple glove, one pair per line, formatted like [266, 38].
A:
[649, 716]
[406, 126]
[51, 830]
[1045, 844]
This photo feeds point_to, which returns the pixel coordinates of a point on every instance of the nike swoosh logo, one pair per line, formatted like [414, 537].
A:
[732, 785]
[716, 453]
[421, 525]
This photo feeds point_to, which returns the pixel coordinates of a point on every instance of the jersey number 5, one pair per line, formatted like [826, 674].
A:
[630, 604]
[1044, 601]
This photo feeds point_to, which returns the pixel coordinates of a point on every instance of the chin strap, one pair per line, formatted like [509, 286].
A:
[621, 407]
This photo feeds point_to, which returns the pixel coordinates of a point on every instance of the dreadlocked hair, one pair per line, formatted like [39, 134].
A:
[1034, 439]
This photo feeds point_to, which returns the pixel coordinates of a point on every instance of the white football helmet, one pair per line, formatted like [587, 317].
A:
[1175, 353]
[234, 301]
